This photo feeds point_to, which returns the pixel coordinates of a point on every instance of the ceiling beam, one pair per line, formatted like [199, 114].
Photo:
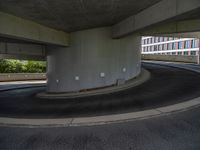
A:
[21, 29]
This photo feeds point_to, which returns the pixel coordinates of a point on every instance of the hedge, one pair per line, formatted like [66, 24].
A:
[16, 66]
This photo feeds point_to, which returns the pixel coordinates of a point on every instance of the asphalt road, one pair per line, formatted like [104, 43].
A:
[167, 86]
[173, 132]
[177, 131]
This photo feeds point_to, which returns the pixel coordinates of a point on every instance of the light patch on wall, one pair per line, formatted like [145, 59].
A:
[102, 75]
[77, 78]
[124, 69]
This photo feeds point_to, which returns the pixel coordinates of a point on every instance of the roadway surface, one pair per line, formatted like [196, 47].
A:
[178, 131]
[6, 86]
[174, 132]
[166, 86]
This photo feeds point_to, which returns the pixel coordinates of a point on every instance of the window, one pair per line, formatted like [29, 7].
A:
[151, 48]
[151, 40]
[193, 53]
[148, 48]
[185, 53]
[173, 46]
[170, 46]
[196, 43]
[193, 44]
[180, 45]
[187, 44]
[179, 53]
[154, 39]
[159, 39]
[162, 46]
[184, 44]
[165, 47]
[156, 47]
[145, 42]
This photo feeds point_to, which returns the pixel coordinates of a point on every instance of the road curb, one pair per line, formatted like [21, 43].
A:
[169, 64]
[143, 77]
[99, 120]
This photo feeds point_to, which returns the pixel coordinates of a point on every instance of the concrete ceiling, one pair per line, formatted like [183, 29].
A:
[73, 15]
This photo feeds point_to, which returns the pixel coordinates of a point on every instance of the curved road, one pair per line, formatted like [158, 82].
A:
[166, 86]
[178, 131]
[174, 132]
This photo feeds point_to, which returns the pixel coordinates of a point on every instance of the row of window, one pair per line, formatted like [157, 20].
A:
[172, 46]
[186, 53]
[157, 40]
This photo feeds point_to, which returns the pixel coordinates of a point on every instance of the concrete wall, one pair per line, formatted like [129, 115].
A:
[92, 54]
[22, 51]
[21, 76]
[172, 58]
[162, 12]
[183, 28]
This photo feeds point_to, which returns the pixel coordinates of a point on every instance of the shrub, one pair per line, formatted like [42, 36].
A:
[16, 66]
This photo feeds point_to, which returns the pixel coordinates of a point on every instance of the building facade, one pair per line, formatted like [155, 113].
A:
[170, 46]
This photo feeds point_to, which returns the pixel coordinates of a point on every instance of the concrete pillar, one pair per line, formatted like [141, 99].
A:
[93, 60]
[198, 55]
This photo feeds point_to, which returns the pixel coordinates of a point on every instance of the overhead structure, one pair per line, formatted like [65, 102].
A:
[89, 43]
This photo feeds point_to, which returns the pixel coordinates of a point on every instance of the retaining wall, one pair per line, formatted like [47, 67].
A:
[172, 58]
[22, 76]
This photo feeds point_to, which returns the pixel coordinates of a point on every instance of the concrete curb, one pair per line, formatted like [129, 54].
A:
[144, 76]
[170, 64]
[99, 120]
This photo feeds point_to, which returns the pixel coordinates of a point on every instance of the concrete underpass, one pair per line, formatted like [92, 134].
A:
[97, 92]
